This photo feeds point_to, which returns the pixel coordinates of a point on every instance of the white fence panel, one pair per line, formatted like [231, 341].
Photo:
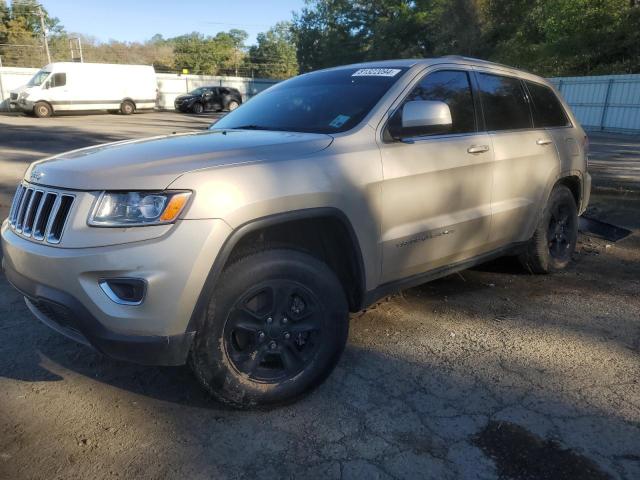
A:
[607, 102]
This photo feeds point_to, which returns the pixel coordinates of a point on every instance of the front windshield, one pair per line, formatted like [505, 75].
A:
[38, 78]
[198, 91]
[330, 101]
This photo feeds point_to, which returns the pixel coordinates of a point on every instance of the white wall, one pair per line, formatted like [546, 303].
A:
[10, 78]
[170, 84]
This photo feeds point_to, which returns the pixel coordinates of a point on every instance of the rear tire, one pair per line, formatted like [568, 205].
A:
[42, 110]
[554, 241]
[232, 105]
[275, 327]
[127, 108]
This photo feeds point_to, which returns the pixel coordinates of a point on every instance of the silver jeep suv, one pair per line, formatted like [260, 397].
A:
[242, 249]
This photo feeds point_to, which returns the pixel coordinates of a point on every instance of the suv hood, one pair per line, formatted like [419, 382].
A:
[153, 163]
[186, 97]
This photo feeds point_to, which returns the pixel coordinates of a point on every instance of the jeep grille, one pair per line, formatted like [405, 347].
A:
[40, 213]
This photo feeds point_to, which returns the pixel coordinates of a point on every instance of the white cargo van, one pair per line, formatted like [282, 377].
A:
[66, 86]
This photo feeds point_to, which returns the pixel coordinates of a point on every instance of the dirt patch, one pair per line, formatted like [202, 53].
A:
[521, 455]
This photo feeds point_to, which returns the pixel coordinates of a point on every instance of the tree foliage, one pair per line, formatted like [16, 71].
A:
[551, 37]
[275, 54]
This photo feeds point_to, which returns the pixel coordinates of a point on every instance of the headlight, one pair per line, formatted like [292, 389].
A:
[133, 209]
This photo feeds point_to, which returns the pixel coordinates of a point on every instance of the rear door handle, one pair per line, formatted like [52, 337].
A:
[543, 141]
[478, 149]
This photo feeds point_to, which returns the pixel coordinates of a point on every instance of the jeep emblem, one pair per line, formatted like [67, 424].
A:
[36, 175]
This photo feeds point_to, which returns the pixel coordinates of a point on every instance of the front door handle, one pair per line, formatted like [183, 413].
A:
[478, 149]
[543, 141]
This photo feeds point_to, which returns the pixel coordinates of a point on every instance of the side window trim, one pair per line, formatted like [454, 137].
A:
[419, 78]
[529, 100]
[481, 125]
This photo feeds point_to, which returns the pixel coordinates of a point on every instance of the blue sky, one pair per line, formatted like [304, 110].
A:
[138, 20]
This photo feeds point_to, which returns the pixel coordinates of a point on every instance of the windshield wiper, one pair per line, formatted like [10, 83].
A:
[250, 127]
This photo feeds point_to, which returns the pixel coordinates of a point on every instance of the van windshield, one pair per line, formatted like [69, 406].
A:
[330, 101]
[38, 78]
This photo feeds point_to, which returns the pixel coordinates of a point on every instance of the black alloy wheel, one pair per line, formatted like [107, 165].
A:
[273, 331]
[562, 225]
[275, 326]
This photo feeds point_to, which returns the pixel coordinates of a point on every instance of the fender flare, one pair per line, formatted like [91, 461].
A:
[267, 221]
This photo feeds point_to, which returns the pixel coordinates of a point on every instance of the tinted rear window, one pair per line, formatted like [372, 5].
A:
[547, 109]
[504, 103]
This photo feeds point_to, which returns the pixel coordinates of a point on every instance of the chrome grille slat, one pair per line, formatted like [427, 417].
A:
[40, 213]
[41, 221]
[26, 198]
[34, 203]
[52, 216]
[60, 219]
[17, 198]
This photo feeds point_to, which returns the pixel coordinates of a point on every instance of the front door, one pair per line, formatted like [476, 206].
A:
[436, 192]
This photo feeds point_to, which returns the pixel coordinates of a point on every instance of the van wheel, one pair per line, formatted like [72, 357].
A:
[275, 327]
[232, 105]
[197, 108]
[42, 110]
[127, 108]
[554, 241]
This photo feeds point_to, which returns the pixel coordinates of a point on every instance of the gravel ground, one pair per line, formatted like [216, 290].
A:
[491, 373]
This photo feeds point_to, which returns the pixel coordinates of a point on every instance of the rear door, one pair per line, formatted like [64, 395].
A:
[436, 192]
[548, 113]
[524, 157]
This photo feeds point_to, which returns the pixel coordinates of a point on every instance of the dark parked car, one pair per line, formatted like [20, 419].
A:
[209, 99]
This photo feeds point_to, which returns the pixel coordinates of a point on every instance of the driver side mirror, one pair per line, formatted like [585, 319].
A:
[421, 117]
[47, 85]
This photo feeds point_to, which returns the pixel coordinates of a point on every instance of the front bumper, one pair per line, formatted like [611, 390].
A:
[61, 288]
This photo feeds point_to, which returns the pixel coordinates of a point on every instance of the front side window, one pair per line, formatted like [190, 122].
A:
[329, 101]
[451, 87]
[58, 80]
[199, 91]
[547, 109]
[504, 103]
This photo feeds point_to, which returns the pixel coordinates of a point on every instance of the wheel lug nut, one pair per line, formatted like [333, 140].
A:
[269, 320]
[273, 345]
[287, 335]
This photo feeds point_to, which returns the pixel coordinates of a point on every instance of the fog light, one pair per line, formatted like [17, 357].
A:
[124, 291]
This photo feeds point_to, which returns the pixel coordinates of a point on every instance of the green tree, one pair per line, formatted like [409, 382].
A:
[275, 54]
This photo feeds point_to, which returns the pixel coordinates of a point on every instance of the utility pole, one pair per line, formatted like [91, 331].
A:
[44, 34]
[1, 86]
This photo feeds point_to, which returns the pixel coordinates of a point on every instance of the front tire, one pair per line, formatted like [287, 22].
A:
[274, 329]
[554, 241]
[197, 108]
[42, 110]
[127, 108]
